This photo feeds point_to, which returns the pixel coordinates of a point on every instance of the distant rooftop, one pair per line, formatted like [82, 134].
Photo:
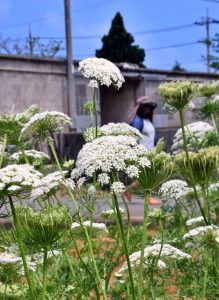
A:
[128, 69]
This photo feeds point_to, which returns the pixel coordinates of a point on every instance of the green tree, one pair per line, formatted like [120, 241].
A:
[177, 67]
[118, 44]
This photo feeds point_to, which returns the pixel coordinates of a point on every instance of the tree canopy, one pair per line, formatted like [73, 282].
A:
[118, 44]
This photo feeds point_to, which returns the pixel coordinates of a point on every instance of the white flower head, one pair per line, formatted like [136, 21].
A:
[98, 226]
[110, 213]
[117, 187]
[103, 178]
[106, 155]
[201, 231]
[166, 252]
[194, 221]
[120, 129]
[174, 189]
[50, 184]
[194, 131]
[44, 124]
[32, 154]
[101, 71]
[17, 178]
[132, 171]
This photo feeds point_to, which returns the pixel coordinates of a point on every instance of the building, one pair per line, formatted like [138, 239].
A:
[25, 80]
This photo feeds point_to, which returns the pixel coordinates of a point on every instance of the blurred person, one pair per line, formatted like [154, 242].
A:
[142, 119]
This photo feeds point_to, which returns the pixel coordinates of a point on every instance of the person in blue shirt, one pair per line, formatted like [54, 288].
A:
[142, 119]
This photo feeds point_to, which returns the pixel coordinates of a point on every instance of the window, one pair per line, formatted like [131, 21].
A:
[81, 98]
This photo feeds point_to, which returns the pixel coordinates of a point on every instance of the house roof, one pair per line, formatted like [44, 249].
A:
[128, 69]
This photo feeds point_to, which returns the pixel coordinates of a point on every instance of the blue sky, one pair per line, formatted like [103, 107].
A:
[93, 18]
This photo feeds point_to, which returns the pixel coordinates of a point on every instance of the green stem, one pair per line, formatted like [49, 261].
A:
[3, 149]
[45, 263]
[205, 282]
[24, 155]
[118, 214]
[143, 242]
[213, 120]
[95, 112]
[80, 219]
[84, 265]
[128, 218]
[21, 247]
[190, 167]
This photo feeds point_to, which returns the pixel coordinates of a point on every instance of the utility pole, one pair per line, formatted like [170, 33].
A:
[30, 42]
[70, 106]
[207, 41]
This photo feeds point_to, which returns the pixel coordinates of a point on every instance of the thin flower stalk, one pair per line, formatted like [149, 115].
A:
[80, 218]
[190, 168]
[21, 247]
[45, 266]
[143, 242]
[95, 112]
[122, 232]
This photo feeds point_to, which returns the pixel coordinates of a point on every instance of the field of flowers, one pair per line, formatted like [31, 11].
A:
[51, 254]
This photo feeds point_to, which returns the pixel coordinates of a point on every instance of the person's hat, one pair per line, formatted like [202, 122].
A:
[144, 100]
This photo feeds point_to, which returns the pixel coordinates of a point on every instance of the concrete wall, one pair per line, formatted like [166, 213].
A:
[24, 82]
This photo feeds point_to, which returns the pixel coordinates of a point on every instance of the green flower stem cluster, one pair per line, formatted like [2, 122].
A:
[208, 89]
[149, 179]
[210, 107]
[43, 230]
[125, 244]
[21, 247]
[159, 170]
[199, 168]
[203, 163]
[177, 94]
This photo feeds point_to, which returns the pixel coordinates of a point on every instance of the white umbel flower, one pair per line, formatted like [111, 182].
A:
[32, 154]
[98, 226]
[101, 71]
[107, 154]
[132, 171]
[120, 129]
[50, 183]
[167, 252]
[117, 188]
[109, 213]
[201, 231]
[174, 189]
[195, 130]
[103, 178]
[9, 258]
[17, 178]
[213, 187]
[33, 261]
[43, 124]
[194, 221]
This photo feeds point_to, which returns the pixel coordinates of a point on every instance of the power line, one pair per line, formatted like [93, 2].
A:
[134, 33]
[55, 16]
[153, 49]
[172, 46]
[214, 1]
[164, 29]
